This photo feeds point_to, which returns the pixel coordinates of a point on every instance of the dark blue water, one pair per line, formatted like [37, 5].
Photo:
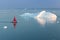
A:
[27, 28]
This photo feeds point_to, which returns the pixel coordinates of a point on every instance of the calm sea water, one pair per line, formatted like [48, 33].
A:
[27, 28]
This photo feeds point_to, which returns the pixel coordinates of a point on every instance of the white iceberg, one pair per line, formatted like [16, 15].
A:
[28, 15]
[46, 17]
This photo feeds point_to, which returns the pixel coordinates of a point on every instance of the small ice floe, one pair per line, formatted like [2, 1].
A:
[5, 27]
[57, 21]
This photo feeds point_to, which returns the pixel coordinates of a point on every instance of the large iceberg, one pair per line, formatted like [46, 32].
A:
[46, 17]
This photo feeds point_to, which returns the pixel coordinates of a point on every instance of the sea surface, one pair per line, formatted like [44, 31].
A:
[27, 28]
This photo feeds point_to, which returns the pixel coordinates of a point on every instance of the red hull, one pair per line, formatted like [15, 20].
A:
[14, 22]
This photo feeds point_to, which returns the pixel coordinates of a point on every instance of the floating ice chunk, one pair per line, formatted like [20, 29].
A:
[5, 27]
[46, 17]
[27, 15]
[57, 21]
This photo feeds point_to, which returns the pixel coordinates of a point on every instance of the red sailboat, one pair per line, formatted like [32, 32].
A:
[14, 21]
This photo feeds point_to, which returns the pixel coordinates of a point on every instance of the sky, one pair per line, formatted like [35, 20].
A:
[4, 4]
